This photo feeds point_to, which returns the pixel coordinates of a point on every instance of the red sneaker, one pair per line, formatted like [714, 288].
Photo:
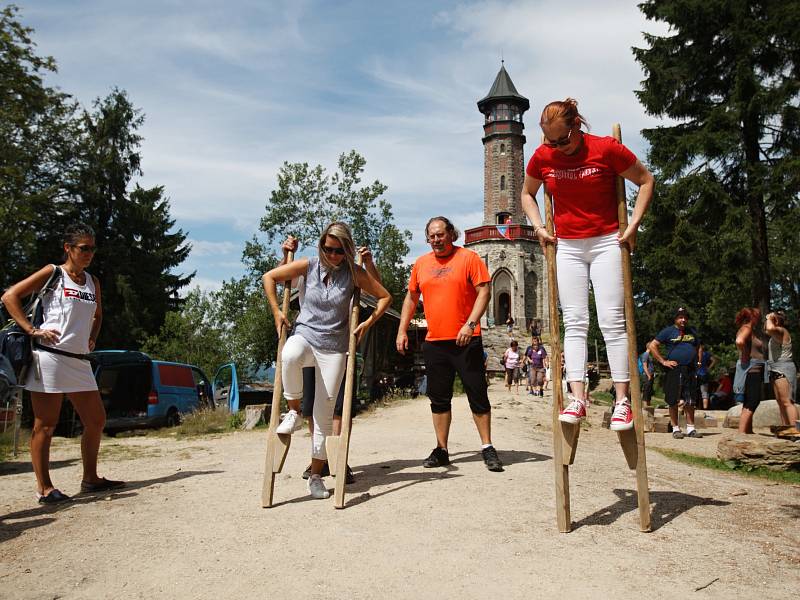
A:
[574, 412]
[622, 418]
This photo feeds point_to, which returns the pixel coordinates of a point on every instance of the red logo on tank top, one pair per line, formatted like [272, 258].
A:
[78, 295]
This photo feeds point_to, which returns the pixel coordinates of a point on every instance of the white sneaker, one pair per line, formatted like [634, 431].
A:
[317, 488]
[291, 423]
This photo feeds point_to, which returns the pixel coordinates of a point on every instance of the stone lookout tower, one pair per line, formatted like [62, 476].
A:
[505, 241]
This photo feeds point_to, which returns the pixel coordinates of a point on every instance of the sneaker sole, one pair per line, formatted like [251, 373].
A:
[621, 426]
[570, 419]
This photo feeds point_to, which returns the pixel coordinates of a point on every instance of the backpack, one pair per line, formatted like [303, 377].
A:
[16, 346]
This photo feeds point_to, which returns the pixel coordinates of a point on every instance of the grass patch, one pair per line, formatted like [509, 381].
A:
[206, 421]
[730, 466]
[602, 398]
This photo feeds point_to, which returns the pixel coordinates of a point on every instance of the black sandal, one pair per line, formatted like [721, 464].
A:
[54, 497]
[101, 486]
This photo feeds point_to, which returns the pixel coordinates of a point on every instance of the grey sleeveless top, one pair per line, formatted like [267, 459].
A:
[324, 313]
[779, 352]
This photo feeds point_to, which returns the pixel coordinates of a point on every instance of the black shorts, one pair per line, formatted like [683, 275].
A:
[680, 383]
[753, 390]
[309, 384]
[443, 359]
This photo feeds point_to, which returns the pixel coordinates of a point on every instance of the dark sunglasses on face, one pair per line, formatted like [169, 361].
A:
[329, 250]
[86, 249]
[559, 143]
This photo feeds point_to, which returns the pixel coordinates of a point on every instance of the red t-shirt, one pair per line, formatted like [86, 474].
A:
[583, 185]
[448, 290]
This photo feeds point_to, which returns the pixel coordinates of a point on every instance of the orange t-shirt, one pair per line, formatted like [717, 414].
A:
[448, 290]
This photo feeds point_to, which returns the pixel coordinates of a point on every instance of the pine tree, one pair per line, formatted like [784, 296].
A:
[718, 237]
[138, 246]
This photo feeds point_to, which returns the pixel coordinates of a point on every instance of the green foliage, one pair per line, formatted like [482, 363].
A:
[308, 199]
[59, 165]
[243, 315]
[722, 232]
[190, 335]
[38, 128]
[138, 246]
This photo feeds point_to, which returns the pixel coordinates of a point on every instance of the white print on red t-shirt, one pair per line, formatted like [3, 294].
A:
[78, 295]
[578, 173]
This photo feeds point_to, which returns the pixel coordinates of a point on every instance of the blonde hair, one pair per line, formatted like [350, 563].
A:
[566, 110]
[341, 232]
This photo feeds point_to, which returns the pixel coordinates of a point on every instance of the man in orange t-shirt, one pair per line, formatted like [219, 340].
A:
[454, 284]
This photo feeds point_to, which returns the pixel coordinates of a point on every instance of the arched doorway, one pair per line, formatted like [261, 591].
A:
[503, 308]
[503, 289]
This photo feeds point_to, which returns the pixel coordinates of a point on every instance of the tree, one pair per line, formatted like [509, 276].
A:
[190, 335]
[138, 244]
[729, 168]
[38, 127]
[308, 199]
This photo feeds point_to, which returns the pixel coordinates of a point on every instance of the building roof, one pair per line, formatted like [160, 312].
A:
[503, 89]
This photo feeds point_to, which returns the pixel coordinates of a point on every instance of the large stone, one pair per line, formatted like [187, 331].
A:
[766, 415]
[760, 451]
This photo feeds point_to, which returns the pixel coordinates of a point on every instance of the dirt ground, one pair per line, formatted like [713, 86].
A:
[190, 524]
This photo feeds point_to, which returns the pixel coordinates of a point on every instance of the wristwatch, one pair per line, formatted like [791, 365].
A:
[472, 325]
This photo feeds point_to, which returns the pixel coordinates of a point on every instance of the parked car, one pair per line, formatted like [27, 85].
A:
[138, 391]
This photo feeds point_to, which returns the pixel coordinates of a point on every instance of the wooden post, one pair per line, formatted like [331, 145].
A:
[337, 447]
[632, 441]
[277, 445]
[565, 436]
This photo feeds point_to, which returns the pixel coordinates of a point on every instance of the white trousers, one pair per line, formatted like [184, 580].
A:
[328, 371]
[598, 259]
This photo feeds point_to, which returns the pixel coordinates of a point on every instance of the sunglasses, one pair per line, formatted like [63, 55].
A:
[329, 250]
[86, 249]
[559, 143]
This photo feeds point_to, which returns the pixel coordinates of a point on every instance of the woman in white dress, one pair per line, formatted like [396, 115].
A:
[72, 314]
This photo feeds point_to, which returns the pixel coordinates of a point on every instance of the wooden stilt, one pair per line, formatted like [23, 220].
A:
[337, 447]
[277, 445]
[632, 441]
[565, 436]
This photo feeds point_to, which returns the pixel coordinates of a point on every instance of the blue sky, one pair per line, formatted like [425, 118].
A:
[232, 90]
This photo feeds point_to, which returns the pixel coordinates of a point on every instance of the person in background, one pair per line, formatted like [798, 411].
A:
[538, 362]
[782, 370]
[751, 367]
[511, 362]
[704, 368]
[684, 349]
[647, 375]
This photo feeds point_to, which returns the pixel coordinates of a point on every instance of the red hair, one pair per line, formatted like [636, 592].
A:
[566, 110]
[748, 316]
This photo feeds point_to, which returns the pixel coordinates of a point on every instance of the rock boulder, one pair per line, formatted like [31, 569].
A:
[760, 451]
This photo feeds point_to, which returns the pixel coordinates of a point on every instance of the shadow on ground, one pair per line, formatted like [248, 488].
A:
[664, 507]
[13, 524]
[16, 467]
[400, 474]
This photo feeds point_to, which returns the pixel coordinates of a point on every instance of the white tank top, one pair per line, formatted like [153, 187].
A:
[70, 309]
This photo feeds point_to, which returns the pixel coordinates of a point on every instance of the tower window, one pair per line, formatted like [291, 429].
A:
[502, 148]
[503, 218]
[502, 182]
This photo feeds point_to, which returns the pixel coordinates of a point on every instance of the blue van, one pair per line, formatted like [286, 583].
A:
[138, 391]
